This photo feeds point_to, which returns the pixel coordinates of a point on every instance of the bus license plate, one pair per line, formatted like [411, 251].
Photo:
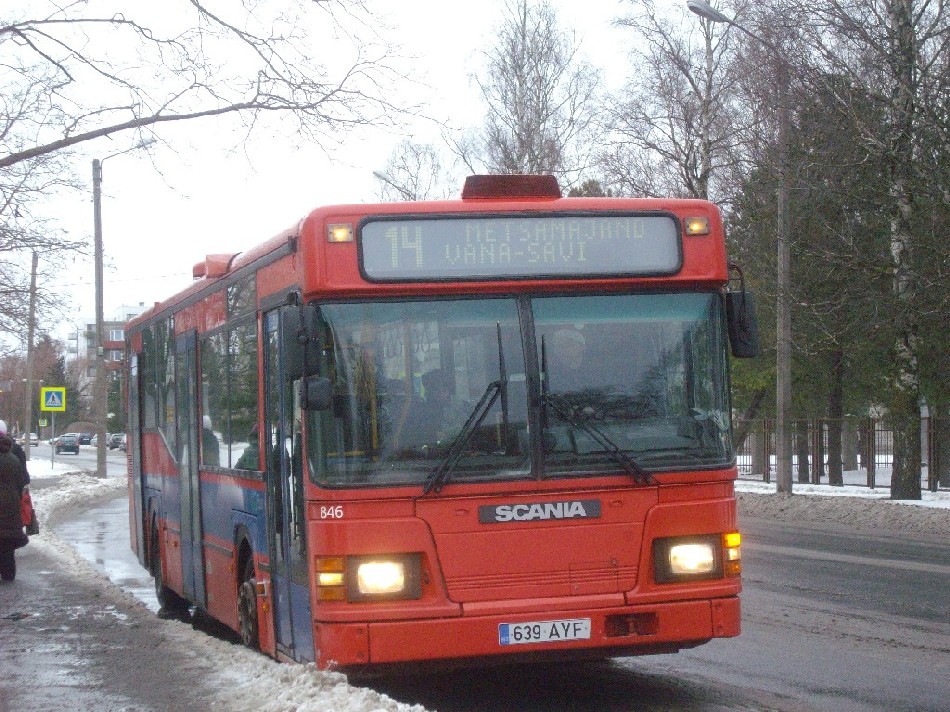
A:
[543, 631]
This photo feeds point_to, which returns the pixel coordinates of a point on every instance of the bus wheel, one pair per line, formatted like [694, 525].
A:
[172, 606]
[247, 607]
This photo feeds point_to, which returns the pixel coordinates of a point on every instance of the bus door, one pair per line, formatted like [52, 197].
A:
[187, 427]
[285, 499]
[136, 513]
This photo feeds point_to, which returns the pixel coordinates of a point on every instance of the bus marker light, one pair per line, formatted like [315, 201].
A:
[733, 554]
[330, 578]
[697, 226]
[340, 232]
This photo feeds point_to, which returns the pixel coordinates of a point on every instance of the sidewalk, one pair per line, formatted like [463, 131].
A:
[69, 643]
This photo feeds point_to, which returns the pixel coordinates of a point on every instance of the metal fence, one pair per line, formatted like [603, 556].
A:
[865, 455]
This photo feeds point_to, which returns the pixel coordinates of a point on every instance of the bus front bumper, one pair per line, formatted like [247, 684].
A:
[557, 634]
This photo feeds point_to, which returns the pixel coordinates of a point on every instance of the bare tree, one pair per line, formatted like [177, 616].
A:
[414, 171]
[77, 77]
[540, 98]
[76, 71]
[673, 128]
[897, 49]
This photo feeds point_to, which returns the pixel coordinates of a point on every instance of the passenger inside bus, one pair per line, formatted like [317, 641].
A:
[440, 415]
[210, 446]
[250, 458]
[567, 360]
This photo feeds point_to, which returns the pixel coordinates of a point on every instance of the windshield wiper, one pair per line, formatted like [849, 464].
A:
[493, 391]
[440, 474]
[565, 411]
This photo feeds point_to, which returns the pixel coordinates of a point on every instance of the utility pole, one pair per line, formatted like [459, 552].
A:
[99, 390]
[783, 320]
[100, 386]
[30, 328]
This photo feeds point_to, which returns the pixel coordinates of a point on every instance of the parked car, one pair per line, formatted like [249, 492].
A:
[116, 440]
[94, 441]
[34, 439]
[85, 438]
[67, 442]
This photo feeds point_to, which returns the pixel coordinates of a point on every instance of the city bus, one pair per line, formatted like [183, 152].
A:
[461, 432]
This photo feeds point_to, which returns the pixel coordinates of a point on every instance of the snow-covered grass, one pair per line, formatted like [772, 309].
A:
[853, 504]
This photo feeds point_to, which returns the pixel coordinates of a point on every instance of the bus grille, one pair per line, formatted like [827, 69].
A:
[579, 579]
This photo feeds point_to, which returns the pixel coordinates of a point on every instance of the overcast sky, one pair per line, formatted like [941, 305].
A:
[160, 218]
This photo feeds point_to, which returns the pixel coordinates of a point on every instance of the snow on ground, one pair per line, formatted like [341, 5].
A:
[277, 687]
[852, 504]
[247, 680]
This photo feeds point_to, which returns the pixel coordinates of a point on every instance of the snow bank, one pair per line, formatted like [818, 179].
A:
[853, 506]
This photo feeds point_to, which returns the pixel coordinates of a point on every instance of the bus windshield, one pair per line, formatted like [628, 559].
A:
[644, 372]
[647, 373]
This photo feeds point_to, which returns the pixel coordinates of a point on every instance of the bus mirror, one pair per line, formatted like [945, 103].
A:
[297, 330]
[743, 325]
[316, 393]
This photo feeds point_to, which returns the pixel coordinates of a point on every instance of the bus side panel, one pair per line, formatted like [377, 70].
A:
[220, 564]
[162, 481]
[277, 276]
[136, 520]
[230, 506]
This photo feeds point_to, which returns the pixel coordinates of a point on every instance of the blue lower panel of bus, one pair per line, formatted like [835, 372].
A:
[223, 505]
[294, 624]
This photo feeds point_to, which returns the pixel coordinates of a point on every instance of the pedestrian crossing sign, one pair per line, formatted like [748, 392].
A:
[53, 399]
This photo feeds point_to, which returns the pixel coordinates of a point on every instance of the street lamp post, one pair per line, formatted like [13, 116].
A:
[100, 386]
[783, 320]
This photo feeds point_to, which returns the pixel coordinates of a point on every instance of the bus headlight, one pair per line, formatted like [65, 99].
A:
[374, 578]
[369, 578]
[384, 577]
[691, 558]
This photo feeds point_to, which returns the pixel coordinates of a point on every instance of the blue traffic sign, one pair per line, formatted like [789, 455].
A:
[53, 398]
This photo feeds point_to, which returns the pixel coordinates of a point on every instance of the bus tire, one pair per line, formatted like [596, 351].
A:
[171, 605]
[247, 607]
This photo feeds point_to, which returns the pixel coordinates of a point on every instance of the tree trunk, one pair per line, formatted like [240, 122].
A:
[905, 421]
[801, 448]
[941, 445]
[905, 376]
[836, 418]
[742, 432]
[850, 446]
[760, 452]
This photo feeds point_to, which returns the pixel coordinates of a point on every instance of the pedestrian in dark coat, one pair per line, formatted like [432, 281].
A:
[17, 450]
[12, 482]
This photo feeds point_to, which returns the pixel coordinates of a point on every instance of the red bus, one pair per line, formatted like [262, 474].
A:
[487, 429]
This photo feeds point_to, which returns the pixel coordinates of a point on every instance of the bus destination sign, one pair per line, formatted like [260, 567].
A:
[519, 247]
